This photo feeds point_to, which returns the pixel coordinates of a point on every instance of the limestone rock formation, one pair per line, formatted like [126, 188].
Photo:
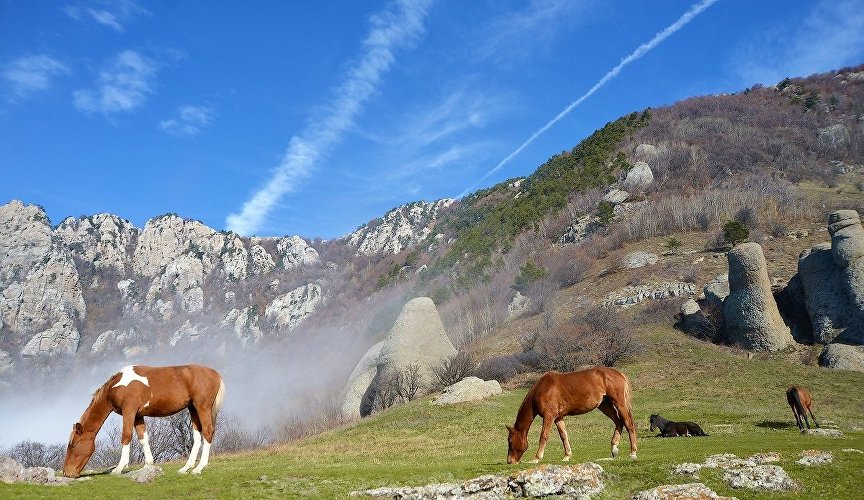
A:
[580, 228]
[103, 240]
[295, 252]
[646, 152]
[616, 196]
[832, 278]
[639, 258]
[417, 338]
[290, 309]
[467, 389]
[833, 136]
[637, 178]
[843, 357]
[400, 228]
[750, 312]
[25, 236]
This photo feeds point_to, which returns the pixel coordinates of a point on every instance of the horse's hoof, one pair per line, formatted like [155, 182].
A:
[535, 461]
[183, 471]
[116, 472]
[196, 471]
[566, 459]
[614, 452]
[633, 456]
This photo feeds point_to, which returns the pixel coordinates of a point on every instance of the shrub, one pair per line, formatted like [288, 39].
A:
[453, 370]
[605, 212]
[735, 232]
[500, 368]
[672, 244]
[528, 275]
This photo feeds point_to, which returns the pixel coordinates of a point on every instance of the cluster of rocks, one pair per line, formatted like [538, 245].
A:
[753, 473]
[13, 472]
[417, 340]
[574, 481]
[635, 294]
[467, 389]
[399, 229]
[823, 303]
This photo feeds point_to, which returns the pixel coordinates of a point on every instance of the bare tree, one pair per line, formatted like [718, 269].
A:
[453, 369]
[408, 382]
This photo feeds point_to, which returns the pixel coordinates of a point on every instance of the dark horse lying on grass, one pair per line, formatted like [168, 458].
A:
[668, 428]
[800, 400]
[556, 395]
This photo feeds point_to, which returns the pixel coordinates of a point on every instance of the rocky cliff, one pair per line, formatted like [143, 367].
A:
[399, 229]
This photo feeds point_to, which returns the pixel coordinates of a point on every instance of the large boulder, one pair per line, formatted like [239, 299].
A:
[637, 178]
[843, 357]
[750, 312]
[832, 277]
[417, 339]
[468, 389]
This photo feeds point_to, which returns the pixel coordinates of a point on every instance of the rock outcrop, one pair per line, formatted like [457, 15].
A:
[750, 312]
[467, 389]
[843, 357]
[400, 228]
[637, 178]
[417, 339]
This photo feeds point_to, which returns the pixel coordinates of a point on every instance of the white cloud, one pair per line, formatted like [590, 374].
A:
[391, 29]
[28, 75]
[190, 120]
[640, 51]
[123, 85]
[830, 37]
[110, 14]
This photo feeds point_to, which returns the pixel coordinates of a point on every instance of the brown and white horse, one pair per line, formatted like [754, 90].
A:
[800, 400]
[149, 391]
[556, 395]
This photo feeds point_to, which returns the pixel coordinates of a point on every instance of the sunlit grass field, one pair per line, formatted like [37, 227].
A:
[739, 402]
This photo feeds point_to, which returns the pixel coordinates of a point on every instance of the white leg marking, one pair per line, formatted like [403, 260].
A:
[196, 443]
[148, 454]
[614, 451]
[205, 457]
[124, 460]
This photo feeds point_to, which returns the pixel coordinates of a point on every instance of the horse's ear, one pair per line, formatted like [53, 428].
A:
[78, 428]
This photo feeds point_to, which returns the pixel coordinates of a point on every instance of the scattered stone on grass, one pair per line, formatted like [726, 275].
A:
[687, 469]
[765, 458]
[689, 491]
[815, 457]
[146, 474]
[824, 432]
[851, 450]
[13, 472]
[727, 461]
[759, 477]
[574, 481]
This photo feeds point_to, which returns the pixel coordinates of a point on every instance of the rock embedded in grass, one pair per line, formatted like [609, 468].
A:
[759, 477]
[810, 458]
[688, 491]
[146, 474]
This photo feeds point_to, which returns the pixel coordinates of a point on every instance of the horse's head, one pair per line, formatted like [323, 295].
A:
[654, 421]
[81, 447]
[517, 443]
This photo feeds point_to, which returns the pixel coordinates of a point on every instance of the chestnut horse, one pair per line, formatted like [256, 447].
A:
[556, 395]
[149, 391]
[800, 400]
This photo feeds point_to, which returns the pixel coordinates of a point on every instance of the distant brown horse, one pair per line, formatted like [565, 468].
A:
[800, 400]
[557, 395]
[149, 391]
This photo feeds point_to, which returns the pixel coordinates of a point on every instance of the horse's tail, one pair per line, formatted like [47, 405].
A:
[796, 398]
[628, 396]
[220, 397]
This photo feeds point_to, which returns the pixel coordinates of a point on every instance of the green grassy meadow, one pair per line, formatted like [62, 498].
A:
[739, 402]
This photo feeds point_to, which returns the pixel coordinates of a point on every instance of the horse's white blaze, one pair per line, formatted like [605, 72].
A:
[145, 445]
[130, 376]
[196, 443]
[124, 460]
[146, 404]
[205, 457]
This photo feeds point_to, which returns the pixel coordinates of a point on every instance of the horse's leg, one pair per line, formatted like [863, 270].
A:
[141, 430]
[544, 436]
[204, 409]
[125, 440]
[798, 421]
[627, 417]
[196, 441]
[813, 416]
[610, 411]
[562, 431]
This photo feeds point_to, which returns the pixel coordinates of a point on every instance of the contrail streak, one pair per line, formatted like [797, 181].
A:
[391, 29]
[639, 52]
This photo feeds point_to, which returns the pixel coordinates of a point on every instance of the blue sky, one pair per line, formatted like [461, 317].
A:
[310, 118]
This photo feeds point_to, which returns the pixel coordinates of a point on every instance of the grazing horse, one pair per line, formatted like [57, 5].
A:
[149, 391]
[800, 400]
[668, 428]
[556, 395]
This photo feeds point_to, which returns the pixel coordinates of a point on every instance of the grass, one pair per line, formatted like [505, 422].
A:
[740, 402]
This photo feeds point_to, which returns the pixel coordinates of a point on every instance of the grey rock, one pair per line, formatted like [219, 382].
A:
[518, 306]
[689, 307]
[810, 458]
[637, 178]
[750, 312]
[616, 196]
[760, 477]
[833, 136]
[10, 470]
[580, 228]
[467, 389]
[843, 357]
[646, 152]
[290, 309]
[832, 433]
[25, 236]
[580, 481]
[61, 338]
[688, 491]
[146, 474]
[400, 228]
[637, 259]
[360, 379]
[295, 252]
